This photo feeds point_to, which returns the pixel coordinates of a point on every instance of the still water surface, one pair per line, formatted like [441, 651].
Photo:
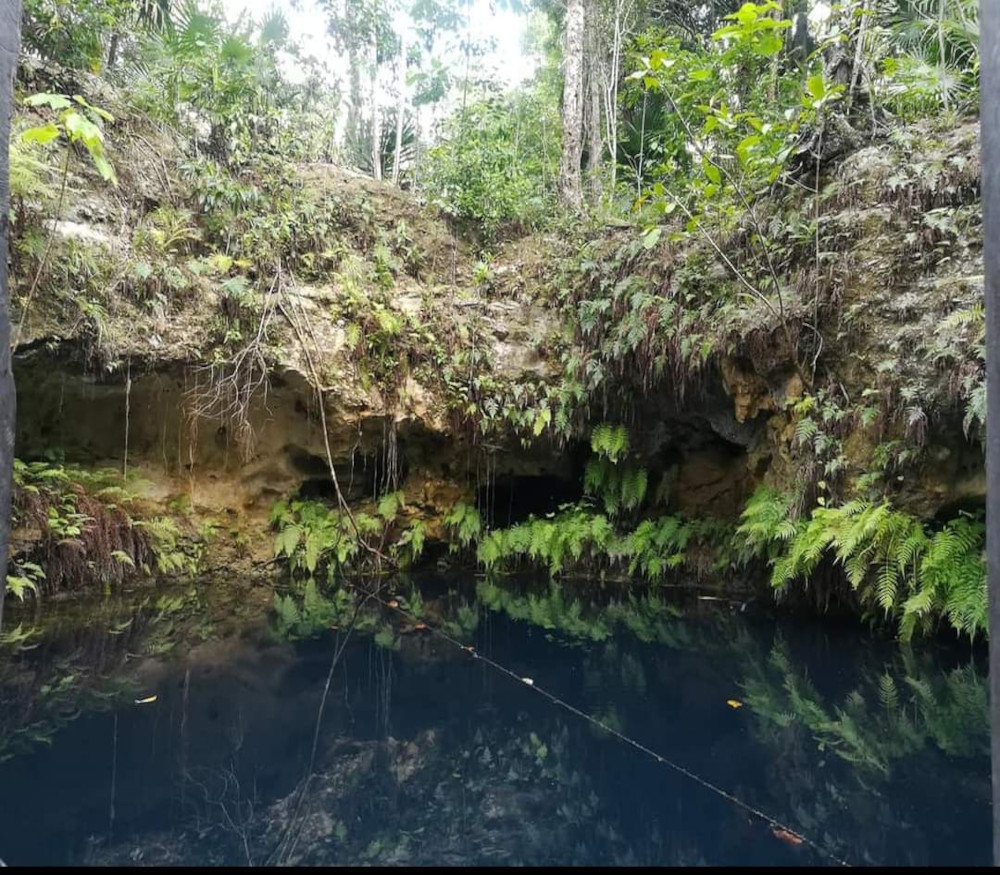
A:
[426, 755]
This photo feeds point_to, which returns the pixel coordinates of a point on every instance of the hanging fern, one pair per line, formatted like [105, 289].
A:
[311, 535]
[610, 441]
[889, 557]
[766, 525]
[618, 488]
[465, 524]
[578, 535]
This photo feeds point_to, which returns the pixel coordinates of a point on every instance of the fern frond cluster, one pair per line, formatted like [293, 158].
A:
[610, 441]
[649, 331]
[464, 523]
[890, 558]
[619, 487]
[89, 531]
[579, 535]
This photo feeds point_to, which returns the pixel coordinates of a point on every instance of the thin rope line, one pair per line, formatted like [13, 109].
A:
[708, 785]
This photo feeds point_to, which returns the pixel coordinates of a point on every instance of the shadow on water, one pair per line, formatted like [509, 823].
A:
[426, 755]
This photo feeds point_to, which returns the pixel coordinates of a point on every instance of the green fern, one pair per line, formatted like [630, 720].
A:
[768, 522]
[311, 535]
[888, 557]
[464, 523]
[618, 488]
[578, 536]
[610, 441]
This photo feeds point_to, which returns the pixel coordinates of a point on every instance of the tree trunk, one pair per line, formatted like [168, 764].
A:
[113, 51]
[352, 132]
[10, 43]
[400, 108]
[595, 142]
[376, 110]
[570, 188]
[772, 85]
[417, 128]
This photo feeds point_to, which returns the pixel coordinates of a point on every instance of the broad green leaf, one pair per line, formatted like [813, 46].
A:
[543, 418]
[105, 169]
[745, 146]
[769, 44]
[54, 101]
[41, 134]
[711, 171]
[816, 86]
[81, 128]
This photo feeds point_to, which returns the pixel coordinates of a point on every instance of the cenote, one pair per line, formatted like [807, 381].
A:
[177, 726]
[550, 434]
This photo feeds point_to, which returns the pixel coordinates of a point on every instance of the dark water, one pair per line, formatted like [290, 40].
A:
[426, 755]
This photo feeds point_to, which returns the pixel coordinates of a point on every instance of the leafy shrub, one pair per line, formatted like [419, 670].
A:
[491, 167]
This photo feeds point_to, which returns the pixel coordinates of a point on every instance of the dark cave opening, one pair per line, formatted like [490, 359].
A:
[364, 476]
[512, 499]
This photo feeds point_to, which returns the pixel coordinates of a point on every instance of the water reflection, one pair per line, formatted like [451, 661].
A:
[260, 747]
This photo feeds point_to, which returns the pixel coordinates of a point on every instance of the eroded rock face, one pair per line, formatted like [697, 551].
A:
[139, 384]
[148, 412]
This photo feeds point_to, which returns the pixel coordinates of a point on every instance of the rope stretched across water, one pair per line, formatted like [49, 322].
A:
[776, 825]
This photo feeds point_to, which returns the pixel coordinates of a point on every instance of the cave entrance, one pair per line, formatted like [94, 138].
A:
[512, 499]
[362, 477]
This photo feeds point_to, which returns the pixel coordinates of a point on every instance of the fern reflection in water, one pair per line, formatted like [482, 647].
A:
[310, 612]
[647, 617]
[887, 717]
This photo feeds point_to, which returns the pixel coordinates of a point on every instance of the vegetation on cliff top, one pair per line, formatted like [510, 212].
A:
[775, 200]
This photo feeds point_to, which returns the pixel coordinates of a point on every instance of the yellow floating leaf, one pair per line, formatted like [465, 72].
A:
[734, 703]
[147, 701]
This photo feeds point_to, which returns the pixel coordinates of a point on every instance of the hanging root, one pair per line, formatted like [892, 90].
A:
[289, 314]
[231, 385]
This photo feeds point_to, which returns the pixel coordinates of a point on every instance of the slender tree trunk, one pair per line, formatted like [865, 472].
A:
[858, 54]
[772, 85]
[642, 147]
[941, 60]
[113, 51]
[400, 108]
[595, 143]
[622, 27]
[417, 128]
[376, 110]
[10, 43]
[468, 58]
[570, 187]
[354, 115]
